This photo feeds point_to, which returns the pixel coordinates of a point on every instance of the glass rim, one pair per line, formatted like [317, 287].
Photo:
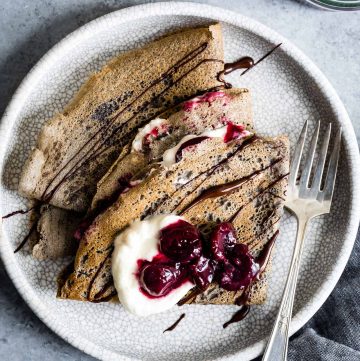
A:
[340, 5]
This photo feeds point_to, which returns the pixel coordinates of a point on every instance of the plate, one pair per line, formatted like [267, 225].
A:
[287, 89]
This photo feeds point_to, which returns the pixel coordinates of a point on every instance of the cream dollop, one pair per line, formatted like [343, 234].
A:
[141, 241]
[138, 142]
[169, 156]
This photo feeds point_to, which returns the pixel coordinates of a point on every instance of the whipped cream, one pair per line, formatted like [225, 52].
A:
[137, 144]
[141, 241]
[209, 97]
[169, 156]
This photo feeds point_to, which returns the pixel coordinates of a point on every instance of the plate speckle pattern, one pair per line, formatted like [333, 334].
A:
[287, 89]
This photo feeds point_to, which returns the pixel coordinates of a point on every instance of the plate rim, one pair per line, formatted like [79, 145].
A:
[139, 12]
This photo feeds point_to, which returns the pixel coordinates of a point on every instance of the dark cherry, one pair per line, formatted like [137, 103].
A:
[203, 272]
[232, 278]
[233, 131]
[237, 268]
[158, 279]
[240, 256]
[223, 239]
[181, 242]
[188, 143]
[243, 260]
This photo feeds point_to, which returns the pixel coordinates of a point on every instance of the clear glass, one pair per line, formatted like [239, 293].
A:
[341, 5]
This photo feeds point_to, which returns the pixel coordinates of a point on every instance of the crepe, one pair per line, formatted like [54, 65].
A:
[192, 117]
[259, 164]
[76, 148]
[55, 233]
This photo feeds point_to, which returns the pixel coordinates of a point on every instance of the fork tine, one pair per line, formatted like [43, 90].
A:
[331, 173]
[315, 187]
[304, 180]
[295, 163]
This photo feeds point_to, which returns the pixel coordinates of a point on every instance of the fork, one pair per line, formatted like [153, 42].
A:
[305, 201]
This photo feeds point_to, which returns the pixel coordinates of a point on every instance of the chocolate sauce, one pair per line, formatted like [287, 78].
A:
[36, 207]
[243, 63]
[238, 316]
[246, 63]
[172, 327]
[262, 58]
[243, 299]
[20, 211]
[26, 238]
[264, 256]
[188, 143]
[95, 148]
[224, 189]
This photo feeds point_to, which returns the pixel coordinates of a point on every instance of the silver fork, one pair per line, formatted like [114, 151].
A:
[305, 202]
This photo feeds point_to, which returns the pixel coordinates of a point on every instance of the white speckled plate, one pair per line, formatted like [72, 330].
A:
[287, 89]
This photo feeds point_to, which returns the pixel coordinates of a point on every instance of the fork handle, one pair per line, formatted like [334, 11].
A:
[276, 349]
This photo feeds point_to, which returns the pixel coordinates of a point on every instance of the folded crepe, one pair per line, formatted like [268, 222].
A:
[208, 111]
[258, 165]
[194, 116]
[76, 148]
[55, 233]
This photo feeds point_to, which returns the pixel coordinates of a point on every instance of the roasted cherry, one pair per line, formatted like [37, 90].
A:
[240, 256]
[232, 278]
[203, 272]
[223, 239]
[159, 279]
[242, 259]
[181, 242]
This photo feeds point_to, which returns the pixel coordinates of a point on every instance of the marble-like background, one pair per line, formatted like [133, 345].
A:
[29, 28]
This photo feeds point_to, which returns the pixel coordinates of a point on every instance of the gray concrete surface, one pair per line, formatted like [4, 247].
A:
[29, 28]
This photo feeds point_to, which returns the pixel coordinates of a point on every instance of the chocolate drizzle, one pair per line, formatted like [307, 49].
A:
[238, 316]
[224, 189]
[172, 327]
[20, 211]
[243, 63]
[246, 63]
[35, 208]
[26, 238]
[263, 258]
[262, 58]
